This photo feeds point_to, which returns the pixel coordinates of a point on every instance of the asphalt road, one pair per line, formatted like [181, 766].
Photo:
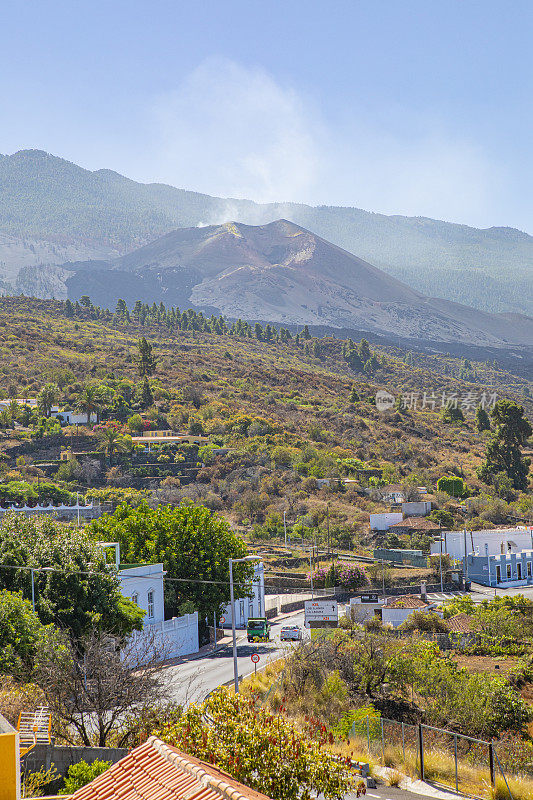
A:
[192, 680]
[389, 793]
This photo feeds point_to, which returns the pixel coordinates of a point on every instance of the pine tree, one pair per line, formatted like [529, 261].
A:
[146, 362]
[147, 398]
[503, 453]
[364, 351]
[482, 419]
[354, 395]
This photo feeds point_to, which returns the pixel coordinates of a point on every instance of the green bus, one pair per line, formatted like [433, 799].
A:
[258, 630]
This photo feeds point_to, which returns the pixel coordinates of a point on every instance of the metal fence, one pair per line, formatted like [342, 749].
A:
[440, 756]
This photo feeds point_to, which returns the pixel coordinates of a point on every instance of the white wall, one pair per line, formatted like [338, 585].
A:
[359, 612]
[139, 581]
[166, 638]
[169, 639]
[488, 542]
[74, 417]
[382, 522]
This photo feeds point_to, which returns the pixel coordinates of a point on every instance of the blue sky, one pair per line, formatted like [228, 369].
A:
[421, 108]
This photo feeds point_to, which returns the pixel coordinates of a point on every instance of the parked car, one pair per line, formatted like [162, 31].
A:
[290, 633]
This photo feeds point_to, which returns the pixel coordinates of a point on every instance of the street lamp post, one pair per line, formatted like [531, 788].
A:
[440, 564]
[233, 561]
[39, 569]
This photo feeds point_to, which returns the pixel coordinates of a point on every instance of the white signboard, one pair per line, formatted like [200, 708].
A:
[318, 611]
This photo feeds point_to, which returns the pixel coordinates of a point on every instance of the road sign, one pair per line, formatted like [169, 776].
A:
[321, 613]
[255, 657]
[222, 620]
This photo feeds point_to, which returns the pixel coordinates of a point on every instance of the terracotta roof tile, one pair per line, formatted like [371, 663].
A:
[157, 771]
[460, 623]
[406, 601]
[418, 523]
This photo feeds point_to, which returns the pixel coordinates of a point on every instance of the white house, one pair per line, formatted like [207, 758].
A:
[494, 542]
[249, 607]
[69, 416]
[74, 417]
[144, 584]
[364, 607]
[398, 609]
[382, 522]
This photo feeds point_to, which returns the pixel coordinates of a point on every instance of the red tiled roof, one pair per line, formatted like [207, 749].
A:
[157, 771]
[406, 601]
[460, 623]
[417, 523]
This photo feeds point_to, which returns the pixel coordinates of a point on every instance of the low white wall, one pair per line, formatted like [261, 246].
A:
[169, 639]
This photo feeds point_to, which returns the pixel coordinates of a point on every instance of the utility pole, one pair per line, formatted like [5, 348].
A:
[39, 569]
[285, 527]
[329, 540]
[233, 561]
[440, 561]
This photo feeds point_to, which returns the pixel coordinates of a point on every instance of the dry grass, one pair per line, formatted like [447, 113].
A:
[494, 665]
[439, 767]
[521, 789]
[394, 778]
[261, 682]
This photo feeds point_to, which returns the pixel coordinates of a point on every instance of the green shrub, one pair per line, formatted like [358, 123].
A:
[82, 773]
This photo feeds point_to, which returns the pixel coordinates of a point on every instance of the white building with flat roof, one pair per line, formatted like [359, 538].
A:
[248, 607]
[493, 542]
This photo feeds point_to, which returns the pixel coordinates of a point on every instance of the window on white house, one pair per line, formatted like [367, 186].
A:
[508, 572]
[135, 598]
[151, 604]
[529, 569]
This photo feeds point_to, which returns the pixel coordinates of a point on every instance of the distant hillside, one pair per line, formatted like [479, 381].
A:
[52, 211]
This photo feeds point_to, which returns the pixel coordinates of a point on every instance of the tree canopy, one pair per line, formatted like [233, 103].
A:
[503, 454]
[189, 541]
[80, 591]
[20, 631]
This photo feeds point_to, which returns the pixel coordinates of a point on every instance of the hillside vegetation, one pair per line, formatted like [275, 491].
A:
[285, 411]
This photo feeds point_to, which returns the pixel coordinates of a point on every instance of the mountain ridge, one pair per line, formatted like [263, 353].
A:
[47, 202]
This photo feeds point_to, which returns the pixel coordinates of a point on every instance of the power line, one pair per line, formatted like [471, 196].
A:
[137, 576]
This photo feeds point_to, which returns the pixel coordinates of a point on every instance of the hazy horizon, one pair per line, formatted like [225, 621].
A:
[409, 109]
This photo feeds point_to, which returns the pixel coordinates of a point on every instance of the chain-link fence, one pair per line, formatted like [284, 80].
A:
[464, 764]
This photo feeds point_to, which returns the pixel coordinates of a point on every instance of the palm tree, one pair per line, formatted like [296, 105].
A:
[111, 439]
[47, 397]
[90, 401]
